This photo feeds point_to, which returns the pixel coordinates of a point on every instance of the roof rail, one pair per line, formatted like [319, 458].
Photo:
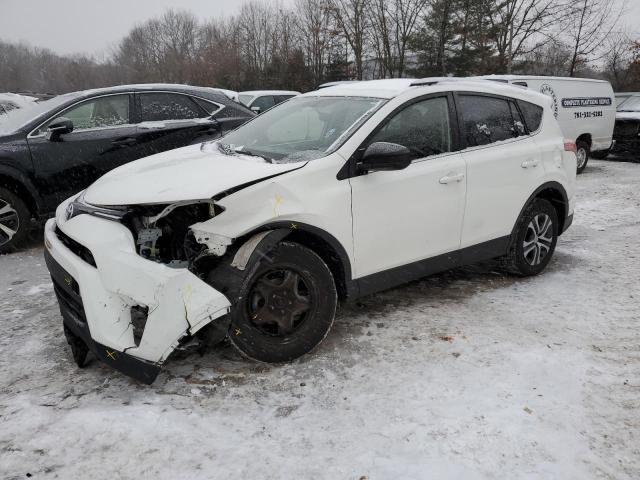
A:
[422, 82]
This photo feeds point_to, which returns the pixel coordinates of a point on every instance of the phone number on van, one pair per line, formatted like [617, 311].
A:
[599, 113]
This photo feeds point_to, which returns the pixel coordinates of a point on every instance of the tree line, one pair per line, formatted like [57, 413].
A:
[268, 45]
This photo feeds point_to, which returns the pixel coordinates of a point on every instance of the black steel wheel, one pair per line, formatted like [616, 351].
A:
[284, 305]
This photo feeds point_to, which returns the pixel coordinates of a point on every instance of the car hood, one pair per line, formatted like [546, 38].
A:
[628, 116]
[189, 173]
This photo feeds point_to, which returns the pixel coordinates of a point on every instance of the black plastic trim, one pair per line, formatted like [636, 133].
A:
[394, 277]
[73, 316]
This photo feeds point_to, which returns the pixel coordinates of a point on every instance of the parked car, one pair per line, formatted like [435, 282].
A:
[626, 135]
[335, 194]
[622, 96]
[13, 101]
[585, 109]
[262, 100]
[58, 147]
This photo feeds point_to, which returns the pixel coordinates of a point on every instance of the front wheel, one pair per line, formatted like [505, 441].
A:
[534, 239]
[14, 220]
[582, 154]
[284, 306]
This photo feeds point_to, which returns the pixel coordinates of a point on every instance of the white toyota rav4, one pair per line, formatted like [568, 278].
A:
[331, 195]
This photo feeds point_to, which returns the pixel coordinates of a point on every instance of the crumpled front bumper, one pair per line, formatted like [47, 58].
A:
[96, 301]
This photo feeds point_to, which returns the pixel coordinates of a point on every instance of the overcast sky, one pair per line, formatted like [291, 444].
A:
[95, 26]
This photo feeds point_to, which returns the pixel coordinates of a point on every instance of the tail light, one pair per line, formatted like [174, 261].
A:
[570, 146]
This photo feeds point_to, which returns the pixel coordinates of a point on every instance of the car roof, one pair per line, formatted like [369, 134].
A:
[257, 93]
[391, 88]
[142, 87]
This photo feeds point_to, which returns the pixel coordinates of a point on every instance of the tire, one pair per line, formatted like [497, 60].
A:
[15, 219]
[282, 307]
[601, 154]
[522, 259]
[582, 153]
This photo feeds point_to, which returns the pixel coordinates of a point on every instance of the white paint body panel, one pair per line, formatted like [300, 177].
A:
[178, 301]
[187, 173]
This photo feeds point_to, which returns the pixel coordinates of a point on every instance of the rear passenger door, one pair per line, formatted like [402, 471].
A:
[168, 120]
[503, 165]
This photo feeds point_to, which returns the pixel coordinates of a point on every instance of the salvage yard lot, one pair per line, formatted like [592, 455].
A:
[468, 374]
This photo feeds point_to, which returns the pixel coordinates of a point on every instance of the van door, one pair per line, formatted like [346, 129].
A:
[504, 166]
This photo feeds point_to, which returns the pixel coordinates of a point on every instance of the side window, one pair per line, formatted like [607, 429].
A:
[422, 127]
[487, 120]
[206, 105]
[228, 111]
[532, 115]
[103, 112]
[264, 103]
[281, 98]
[158, 107]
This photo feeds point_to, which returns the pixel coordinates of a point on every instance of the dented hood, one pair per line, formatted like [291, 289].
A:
[188, 173]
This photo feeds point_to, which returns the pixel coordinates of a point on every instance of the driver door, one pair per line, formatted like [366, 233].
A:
[101, 140]
[404, 216]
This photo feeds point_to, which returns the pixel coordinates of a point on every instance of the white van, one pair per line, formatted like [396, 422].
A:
[585, 109]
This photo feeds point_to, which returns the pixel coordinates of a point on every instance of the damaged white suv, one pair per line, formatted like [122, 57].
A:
[331, 195]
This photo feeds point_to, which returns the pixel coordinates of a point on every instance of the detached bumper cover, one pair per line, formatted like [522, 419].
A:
[96, 301]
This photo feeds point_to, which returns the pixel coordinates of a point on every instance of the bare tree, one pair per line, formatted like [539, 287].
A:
[353, 20]
[590, 23]
[522, 26]
[394, 22]
[317, 34]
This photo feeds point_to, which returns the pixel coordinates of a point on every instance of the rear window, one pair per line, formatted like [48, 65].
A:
[487, 120]
[156, 107]
[532, 115]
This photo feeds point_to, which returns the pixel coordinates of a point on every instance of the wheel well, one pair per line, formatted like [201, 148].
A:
[586, 138]
[21, 191]
[328, 254]
[556, 199]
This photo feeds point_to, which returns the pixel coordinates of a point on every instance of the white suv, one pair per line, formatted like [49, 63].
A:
[332, 195]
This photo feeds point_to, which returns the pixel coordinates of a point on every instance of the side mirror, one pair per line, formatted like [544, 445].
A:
[256, 110]
[60, 126]
[385, 156]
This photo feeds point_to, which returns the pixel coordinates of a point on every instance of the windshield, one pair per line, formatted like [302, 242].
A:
[303, 128]
[18, 118]
[631, 104]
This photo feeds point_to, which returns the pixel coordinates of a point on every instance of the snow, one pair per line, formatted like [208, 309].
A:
[628, 115]
[467, 374]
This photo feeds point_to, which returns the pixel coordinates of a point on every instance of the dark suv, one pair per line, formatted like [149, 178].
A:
[56, 148]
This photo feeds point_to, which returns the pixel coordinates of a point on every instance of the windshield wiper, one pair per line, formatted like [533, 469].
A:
[249, 153]
[229, 150]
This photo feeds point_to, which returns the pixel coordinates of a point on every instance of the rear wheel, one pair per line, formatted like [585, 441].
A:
[534, 239]
[14, 220]
[284, 306]
[582, 154]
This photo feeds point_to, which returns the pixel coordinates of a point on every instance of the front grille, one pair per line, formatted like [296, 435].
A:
[625, 129]
[80, 250]
[70, 302]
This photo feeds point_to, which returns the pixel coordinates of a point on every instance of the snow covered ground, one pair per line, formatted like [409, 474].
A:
[468, 374]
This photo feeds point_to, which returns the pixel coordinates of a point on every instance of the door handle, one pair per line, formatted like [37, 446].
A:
[451, 178]
[124, 142]
[530, 164]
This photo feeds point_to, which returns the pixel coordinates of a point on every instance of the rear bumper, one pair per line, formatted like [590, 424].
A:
[97, 291]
